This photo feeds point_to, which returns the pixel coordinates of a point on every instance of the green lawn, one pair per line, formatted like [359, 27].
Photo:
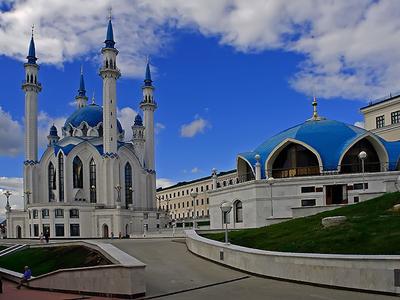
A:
[371, 228]
[47, 259]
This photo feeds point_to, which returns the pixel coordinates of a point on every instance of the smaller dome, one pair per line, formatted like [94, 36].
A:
[53, 131]
[138, 120]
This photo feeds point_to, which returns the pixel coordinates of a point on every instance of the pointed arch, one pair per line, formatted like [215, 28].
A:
[238, 211]
[293, 158]
[128, 185]
[61, 176]
[51, 181]
[244, 169]
[92, 181]
[77, 170]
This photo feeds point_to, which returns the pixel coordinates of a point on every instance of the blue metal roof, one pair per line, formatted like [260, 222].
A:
[82, 90]
[32, 54]
[329, 138]
[110, 36]
[68, 148]
[147, 78]
[53, 131]
[92, 114]
[138, 120]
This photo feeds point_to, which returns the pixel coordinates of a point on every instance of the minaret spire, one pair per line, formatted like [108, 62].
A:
[147, 78]
[110, 33]
[32, 52]
[81, 98]
[315, 116]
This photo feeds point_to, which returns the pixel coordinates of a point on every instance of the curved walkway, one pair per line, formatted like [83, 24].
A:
[172, 272]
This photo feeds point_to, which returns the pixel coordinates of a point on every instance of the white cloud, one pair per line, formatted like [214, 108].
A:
[360, 124]
[159, 127]
[195, 170]
[348, 48]
[11, 135]
[126, 116]
[44, 123]
[196, 126]
[164, 182]
[15, 186]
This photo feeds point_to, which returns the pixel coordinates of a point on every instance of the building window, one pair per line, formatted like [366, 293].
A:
[183, 204]
[238, 206]
[61, 177]
[74, 230]
[380, 121]
[35, 229]
[46, 228]
[145, 216]
[308, 189]
[92, 181]
[45, 213]
[202, 201]
[158, 216]
[128, 185]
[359, 186]
[35, 213]
[207, 200]
[74, 213]
[52, 181]
[77, 173]
[59, 213]
[395, 116]
[308, 202]
[356, 199]
[59, 229]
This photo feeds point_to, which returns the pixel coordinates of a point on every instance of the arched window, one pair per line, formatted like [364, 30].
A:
[100, 130]
[61, 177]
[51, 181]
[77, 173]
[128, 184]
[351, 163]
[106, 63]
[295, 160]
[238, 211]
[84, 130]
[92, 181]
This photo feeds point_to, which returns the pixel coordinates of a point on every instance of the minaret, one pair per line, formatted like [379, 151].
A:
[138, 137]
[81, 99]
[148, 105]
[110, 73]
[31, 87]
[53, 136]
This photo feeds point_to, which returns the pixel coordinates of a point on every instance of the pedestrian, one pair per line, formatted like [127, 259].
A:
[41, 237]
[112, 235]
[120, 235]
[47, 236]
[27, 275]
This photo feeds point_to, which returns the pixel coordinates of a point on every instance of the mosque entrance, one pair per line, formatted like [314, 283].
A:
[19, 232]
[105, 231]
[335, 194]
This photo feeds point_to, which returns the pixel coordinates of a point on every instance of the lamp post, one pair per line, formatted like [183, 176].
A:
[27, 193]
[362, 156]
[118, 188]
[225, 209]
[8, 194]
[130, 205]
[194, 194]
[189, 211]
[271, 181]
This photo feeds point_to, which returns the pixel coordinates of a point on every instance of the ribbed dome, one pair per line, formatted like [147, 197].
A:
[91, 114]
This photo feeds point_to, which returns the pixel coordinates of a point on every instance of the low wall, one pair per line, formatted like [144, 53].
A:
[378, 273]
[125, 278]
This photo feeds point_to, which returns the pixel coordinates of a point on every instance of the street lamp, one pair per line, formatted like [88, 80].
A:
[189, 212]
[118, 188]
[194, 194]
[27, 193]
[363, 155]
[8, 194]
[271, 181]
[226, 207]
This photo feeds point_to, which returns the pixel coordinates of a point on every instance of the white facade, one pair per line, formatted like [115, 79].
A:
[90, 183]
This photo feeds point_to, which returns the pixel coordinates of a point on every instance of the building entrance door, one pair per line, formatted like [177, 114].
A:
[19, 232]
[105, 231]
[335, 194]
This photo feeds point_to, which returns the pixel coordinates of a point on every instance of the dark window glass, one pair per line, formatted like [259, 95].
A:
[77, 173]
[128, 185]
[45, 213]
[35, 229]
[35, 213]
[59, 213]
[61, 177]
[92, 181]
[74, 213]
[359, 186]
[308, 189]
[52, 181]
[74, 230]
[308, 202]
[380, 121]
[356, 199]
[238, 212]
[59, 229]
[395, 116]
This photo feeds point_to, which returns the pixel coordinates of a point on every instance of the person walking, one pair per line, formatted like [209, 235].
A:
[47, 236]
[27, 275]
[41, 237]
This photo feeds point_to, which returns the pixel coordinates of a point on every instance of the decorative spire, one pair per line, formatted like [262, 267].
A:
[82, 91]
[93, 100]
[110, 34]
[315, 112]
[32, 53]
[147, 78]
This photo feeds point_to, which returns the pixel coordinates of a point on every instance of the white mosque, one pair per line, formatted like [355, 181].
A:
[89, 182]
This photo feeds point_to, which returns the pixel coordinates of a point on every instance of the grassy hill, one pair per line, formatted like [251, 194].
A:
[372, 228]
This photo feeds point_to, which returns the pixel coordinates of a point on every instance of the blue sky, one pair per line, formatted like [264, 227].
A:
[233, 74]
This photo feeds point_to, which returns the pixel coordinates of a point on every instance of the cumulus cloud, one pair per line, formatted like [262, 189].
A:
[126, 116]
[360, 124]
[195, 170]
[164, 182]
[11, 135]
[198, 125]
[159, 127]
[348, 48]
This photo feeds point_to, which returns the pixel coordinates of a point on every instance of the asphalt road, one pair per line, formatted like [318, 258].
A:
[172, 272]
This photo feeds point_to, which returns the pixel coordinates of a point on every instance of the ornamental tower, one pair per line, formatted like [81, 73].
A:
[148, 105]
[110, 73]
[138, 137]
[81, 99]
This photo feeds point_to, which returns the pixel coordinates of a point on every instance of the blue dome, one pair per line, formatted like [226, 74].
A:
[53, 131]
[328, 137]
[138, 120]
[92, 114]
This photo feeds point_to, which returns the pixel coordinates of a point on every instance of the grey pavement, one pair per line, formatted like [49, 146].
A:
[172, 272]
